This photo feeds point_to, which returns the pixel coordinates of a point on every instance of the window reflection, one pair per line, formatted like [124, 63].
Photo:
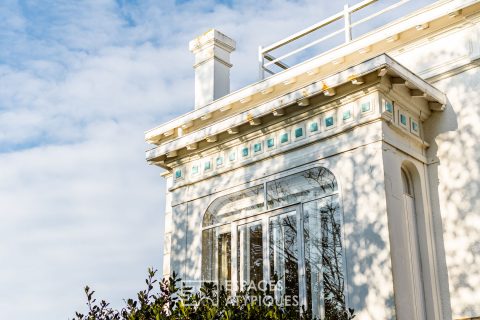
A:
[297, 239]
[324, 254]
[233, 206]
[300, 187]
[208, 259]
[224, 259]
[284, 254]
[250, 255]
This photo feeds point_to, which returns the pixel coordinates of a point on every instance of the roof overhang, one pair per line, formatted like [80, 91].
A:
[439, 17]
[383, 65]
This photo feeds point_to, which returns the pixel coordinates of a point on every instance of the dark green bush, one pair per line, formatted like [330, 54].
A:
[180, 302]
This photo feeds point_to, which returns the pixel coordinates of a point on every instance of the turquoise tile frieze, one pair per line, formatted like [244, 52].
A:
[277, 141]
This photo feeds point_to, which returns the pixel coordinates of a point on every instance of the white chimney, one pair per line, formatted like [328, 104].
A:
[212, 66]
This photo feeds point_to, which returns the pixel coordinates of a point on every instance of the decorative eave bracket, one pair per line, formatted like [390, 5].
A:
[391, 72]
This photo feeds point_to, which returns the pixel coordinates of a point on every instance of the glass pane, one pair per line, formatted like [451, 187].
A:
[208, 258]
[250, 255]
[284, 256]
[224, 260]
[324, 255]
[256, 253]
[300, 187]
[234, 206]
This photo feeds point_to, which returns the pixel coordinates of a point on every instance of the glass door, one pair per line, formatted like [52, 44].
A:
[250, 254]
[297, 250]
[285, 258]
[224, 260]
[269, 250]
[322, 232]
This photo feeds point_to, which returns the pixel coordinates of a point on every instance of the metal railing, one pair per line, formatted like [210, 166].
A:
[266, 59]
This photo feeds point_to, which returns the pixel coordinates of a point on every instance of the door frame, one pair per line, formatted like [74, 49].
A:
[264, 219]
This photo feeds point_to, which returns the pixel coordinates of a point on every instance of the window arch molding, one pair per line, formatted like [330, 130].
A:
[259, 181]
[288, 228]
[419, 237]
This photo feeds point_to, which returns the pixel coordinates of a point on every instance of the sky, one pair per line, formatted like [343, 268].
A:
[80, 82]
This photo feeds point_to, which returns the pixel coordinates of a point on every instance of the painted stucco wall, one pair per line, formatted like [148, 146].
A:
[368, 171]
[358, 167]
[450, 61]
[456, 169]
[404, 237]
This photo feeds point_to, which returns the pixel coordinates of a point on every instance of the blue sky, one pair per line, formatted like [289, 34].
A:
[80, 81]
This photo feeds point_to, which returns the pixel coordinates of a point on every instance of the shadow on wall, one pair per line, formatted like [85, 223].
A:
[454, 171]
[454, 164]
[365, 223]
[366, 233]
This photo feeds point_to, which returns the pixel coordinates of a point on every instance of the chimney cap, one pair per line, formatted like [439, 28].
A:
[210, 38]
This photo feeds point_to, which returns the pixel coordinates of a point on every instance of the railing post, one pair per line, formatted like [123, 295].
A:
[348, 29]
[261, 72]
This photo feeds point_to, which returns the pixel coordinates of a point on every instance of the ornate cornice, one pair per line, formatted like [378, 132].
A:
[418, 97]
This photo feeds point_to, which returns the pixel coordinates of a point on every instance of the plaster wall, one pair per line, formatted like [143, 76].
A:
[450, 62]
[359, 171]
[455, 173]
[366, 161]
[212, 81]
[408, 271]
[167, 239]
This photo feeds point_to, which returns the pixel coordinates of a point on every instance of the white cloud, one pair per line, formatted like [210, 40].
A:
[79, 83]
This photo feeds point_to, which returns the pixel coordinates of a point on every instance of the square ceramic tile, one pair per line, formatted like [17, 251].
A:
[245, 151]
[284, 138]
[388, 106]
[207, 165]
[257, 147]
[219, 161]
[403, 119]
[178, 174]
[299, 132]
[347, 113]
[270, 143]
[313, 127]
[232, 155]
[365, 106]
[414, 127]
[194, 170]
[329, 121]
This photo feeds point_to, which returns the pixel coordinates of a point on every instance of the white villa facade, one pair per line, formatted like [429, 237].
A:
[353, 177]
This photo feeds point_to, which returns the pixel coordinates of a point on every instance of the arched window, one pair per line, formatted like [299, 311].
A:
[411, 191]
[286, 232]
[407, 183]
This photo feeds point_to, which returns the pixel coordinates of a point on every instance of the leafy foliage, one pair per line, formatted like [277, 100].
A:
[174, 302]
